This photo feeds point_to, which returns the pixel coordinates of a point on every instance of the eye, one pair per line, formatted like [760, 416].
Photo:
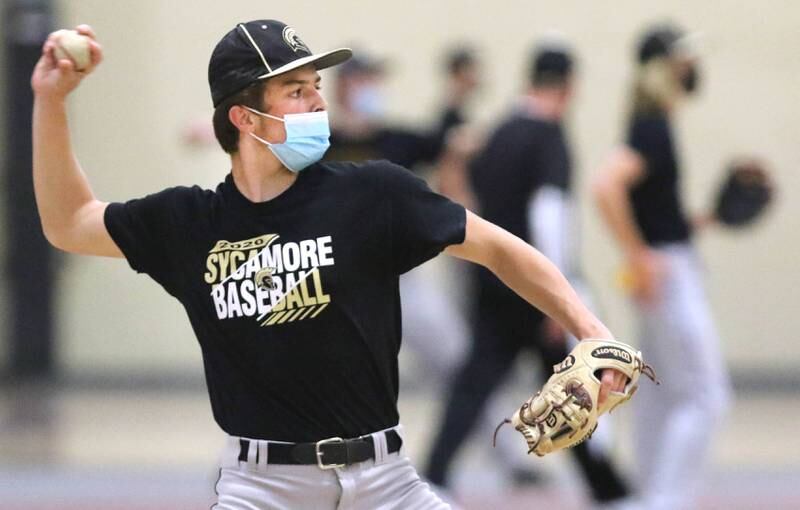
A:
[297, 93]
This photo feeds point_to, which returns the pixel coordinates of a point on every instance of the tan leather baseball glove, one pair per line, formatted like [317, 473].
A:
[565, 412]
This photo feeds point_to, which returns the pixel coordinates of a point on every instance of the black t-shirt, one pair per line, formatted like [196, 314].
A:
[295, 300]
[656, 198]
[521, 155]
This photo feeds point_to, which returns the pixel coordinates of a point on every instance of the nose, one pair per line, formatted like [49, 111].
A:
[319, 103]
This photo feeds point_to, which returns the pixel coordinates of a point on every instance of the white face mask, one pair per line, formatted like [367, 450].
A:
[307, 138]
[368, 100]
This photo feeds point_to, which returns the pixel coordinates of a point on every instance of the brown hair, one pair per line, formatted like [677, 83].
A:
[655, 87]
[227, 134]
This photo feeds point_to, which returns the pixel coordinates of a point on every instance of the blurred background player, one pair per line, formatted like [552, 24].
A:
[521, 180]
[363, 131]
[434, 319]
[638, 193]
[358, 97]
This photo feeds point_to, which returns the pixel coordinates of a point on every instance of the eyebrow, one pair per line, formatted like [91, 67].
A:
[289, 83]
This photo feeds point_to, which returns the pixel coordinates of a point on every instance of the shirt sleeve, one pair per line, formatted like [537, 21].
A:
[146, 231]
[423, 223]
[552, 227]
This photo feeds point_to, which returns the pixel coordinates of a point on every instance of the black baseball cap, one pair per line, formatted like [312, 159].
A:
[258, 50]
[658, 41]
[459, 57]
[550, 64]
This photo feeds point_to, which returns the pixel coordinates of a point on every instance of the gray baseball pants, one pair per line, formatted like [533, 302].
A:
[387, 483]
[677, 421]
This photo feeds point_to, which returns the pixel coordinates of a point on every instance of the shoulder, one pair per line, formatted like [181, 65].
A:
[374, 174]
[180, 194]
[179, 203]
[649, 124]
[521, 123]
[181, 197]
[518, 132]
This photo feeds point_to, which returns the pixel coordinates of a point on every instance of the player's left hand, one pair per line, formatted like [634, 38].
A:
[611, 380]
[565, 412]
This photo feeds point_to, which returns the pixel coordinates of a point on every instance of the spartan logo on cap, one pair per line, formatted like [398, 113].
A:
[293, 40]
[613, 353]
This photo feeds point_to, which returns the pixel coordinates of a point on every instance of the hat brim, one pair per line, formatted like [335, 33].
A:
[320, 61]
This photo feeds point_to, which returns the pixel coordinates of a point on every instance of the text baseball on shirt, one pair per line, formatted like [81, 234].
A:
[275, 283]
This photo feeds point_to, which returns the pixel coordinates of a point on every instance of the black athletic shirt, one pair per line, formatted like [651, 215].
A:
[522, 154]
[656, 198]
[295, 300]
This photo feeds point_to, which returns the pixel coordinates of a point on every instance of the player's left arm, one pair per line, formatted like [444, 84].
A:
[531, 275]
[528, 273]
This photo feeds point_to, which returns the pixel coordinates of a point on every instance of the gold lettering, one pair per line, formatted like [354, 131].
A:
[280, 304]
[307, 299]
[293, 298]
[223, 264]
[245, 244]
[211, 274]
[321, 296]
[235, 258]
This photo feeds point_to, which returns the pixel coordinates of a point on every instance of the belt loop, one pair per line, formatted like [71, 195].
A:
[263, 454]
[381, 447]
[252, 451]
[399, 431]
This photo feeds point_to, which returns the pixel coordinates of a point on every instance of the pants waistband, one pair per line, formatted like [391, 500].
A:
[326, 454]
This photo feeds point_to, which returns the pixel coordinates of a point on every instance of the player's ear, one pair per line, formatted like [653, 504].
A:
[241, 118]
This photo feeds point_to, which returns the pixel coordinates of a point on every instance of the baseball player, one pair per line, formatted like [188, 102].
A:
[638, 192]
[288, 272]
[522, 181]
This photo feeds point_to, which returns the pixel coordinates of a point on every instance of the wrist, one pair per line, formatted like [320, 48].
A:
[596, 334]
[49, 99]
[701, 221]
[593, 329]
[636, 252]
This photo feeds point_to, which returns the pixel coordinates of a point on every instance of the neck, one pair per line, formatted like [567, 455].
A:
[545, 103]
[258, 174]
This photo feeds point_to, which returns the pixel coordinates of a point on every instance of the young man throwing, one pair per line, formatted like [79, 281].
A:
[288, 272]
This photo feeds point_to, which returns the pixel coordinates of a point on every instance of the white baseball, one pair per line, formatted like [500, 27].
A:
[74, 46]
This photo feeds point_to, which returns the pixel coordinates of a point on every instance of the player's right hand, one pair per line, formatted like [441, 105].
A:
[55, 79]
[648, 272]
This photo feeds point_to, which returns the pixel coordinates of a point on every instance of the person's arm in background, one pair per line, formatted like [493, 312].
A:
[528, 273]
[624, 168]
[72, 218]
[452, 169]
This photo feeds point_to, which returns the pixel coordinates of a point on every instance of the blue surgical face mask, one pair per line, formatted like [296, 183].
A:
[368, 100]
[307, 137]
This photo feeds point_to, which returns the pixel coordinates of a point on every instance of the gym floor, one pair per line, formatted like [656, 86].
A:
[119, 449]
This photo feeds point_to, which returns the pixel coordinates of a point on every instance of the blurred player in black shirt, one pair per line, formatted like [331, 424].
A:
[522, 181]
[639, 195]
[362, 131]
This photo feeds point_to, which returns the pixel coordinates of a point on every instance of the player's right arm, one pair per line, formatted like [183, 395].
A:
[623, 169]
[72, 217]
